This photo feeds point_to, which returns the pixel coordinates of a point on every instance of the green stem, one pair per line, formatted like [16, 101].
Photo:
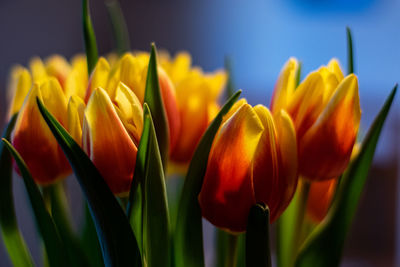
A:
[301, 212]
[232, 250]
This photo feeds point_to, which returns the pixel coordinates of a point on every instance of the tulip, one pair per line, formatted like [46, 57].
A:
[131, 71]
[54, 82]
[197, 96]
[325, 109]
[253, 159]
[111, 145]
[33, 139]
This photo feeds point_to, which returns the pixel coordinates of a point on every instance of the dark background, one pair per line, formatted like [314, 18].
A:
[259, 36]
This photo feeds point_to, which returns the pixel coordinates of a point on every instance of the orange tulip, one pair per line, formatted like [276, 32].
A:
[131, 70]
[33, 139]
[325, 109]
[320, 198]
[253, 159]
[111, 142]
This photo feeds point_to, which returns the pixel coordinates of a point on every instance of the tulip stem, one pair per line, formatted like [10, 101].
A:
[232, 250]
[304, 189]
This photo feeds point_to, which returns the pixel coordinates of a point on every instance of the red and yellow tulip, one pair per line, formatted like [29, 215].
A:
[325, 109]
[53, 82]
[253, 159]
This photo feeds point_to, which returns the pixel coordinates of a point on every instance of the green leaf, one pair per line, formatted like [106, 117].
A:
[156, 239]
[117, 241]
[350, 55]
[120, 30]
[325, 244]
[51, 238]
[90, 240]
[188, 243]
[61, 217]
[154, 99]
[89, 37]
[258, 252]
[13, 240]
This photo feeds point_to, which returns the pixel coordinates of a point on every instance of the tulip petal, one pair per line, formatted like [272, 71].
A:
[32, 137]
[107, 142]
[329, 142]
[320, 198]
[227, 192]
[130, 111]
[335, 68]
[58, 67]
[19, 88]
[76, 108]
[77, 80]
[285, 85]
[38, 70]
[98, 78]
[306, 103]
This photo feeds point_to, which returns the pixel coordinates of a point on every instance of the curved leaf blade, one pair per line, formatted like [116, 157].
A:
[188, 237]
[154, 99]
[258, 252]
[89, 37]
[118, 243]
[120, 30]
[325, 245]
[13, 240]
[51, 238]
[350, 55]
[155, 209]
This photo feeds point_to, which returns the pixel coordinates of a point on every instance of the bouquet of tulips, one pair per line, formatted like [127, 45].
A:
[126, 123]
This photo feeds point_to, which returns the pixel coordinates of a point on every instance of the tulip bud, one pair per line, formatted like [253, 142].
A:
[326, 113]
[253, 159]
[108, 143]
[32, 137]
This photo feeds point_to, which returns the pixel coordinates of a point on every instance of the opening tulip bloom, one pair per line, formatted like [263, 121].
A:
[325, 109]
[197, 98]
[53, 82]
[253, 159]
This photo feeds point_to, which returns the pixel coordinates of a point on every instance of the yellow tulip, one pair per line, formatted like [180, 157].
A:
[325, 109]
[253, 159]
[197, 96]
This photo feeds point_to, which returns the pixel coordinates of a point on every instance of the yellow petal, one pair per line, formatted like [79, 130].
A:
[19, 88]
[99, 77]
[335, 68]
[55, 100]
[285, 86]
[107, 142]
[76, 108]
[38, 70]
[216, 83]
[58, 67]
[77, 79]
[130, 111]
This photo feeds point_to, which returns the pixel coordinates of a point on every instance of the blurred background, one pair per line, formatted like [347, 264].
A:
[259, 37]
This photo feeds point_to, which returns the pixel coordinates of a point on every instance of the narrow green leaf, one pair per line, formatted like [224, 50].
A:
[258, 252]
[61, 217]
[89, 37]
[188, 236]
[90, 240]
[350, 55]
[117, 241]
[155, 209]
[13, 240]
[325, 245]
[51, 238]
[154, 99]
[135, 204]
[120, 30]
[298, 74]
[230, 86]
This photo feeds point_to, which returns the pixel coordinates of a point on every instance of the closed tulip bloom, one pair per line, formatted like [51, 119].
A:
[197, 96]
[32, 137]
[253, 159]
[325, 109]
[320, 198]
[111, 142]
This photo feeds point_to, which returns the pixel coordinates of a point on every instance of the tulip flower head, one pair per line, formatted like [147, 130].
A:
[253, 159]
[325, 109]
[197, 96]
[53, 82]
